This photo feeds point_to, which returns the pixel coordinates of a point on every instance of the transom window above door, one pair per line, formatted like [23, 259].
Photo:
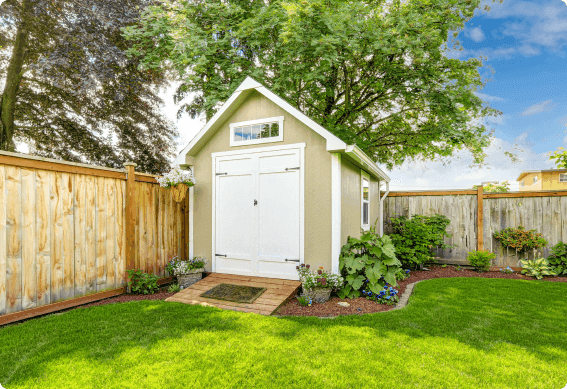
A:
[257, 131]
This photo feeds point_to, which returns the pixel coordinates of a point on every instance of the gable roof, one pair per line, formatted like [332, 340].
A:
[334, 144]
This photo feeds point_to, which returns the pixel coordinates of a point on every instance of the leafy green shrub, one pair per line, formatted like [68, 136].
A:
[520, 239]
[402, 274]
[558, 259]
[304, 301]
[174, 288]
[537, 268]
[142, 282]
[414, 238]
[371, 258]
[481, 260]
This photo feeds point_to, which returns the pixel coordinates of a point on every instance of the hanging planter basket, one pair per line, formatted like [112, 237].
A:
[179, 192]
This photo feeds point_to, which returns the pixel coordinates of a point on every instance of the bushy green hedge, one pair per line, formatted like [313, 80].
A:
[415, 238]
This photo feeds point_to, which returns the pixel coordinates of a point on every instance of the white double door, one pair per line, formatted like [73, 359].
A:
[258, 220]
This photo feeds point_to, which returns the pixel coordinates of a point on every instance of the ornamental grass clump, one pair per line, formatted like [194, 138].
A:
[318, 279]
[520, 239]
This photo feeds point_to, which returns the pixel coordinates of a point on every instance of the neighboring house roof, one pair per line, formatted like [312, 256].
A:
[334, 144]
[526, 172]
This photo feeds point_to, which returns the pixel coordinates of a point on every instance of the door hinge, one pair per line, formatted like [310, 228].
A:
[291, 168]
[221, 174]
[291, 260]
[220, 255]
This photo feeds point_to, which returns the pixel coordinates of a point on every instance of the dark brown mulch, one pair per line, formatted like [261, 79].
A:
[362, 305]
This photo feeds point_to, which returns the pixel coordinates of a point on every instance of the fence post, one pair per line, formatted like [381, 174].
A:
[480, 218]
[130, 217]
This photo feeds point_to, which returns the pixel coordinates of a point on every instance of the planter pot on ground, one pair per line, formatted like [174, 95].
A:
[190, 278]
[318, 295]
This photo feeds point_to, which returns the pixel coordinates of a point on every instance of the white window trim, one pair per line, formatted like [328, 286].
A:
[564, 175]
[279, 138]
[363, 175]
[535, 180]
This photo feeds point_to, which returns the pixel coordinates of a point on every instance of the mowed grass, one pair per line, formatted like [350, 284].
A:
[455, 333]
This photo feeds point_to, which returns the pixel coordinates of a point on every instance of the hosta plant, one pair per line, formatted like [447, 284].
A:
[537, 268]
[520, 239]
[558, 259]
[368, 263]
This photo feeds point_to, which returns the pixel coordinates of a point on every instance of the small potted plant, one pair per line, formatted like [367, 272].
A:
[178, 180]
[187, 271]
[318, 285]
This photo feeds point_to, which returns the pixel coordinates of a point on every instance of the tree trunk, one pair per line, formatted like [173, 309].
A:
[13, 78]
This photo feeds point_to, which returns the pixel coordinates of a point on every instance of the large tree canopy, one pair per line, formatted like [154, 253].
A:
[70, 92]
[373, 72]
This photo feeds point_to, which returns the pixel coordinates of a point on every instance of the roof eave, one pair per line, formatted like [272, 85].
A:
[364, 160]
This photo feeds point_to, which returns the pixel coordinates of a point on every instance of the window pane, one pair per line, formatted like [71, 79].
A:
[365, 189]
[563, 177]
[238, 134]
[256, 132]
[275, 129]
[364, 213]
[265, 133]
[245, 133]
[535, 179]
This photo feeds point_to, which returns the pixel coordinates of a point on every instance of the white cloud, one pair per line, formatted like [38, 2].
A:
[484, 96]
[544, 106]
[475, 33]
[459, 175]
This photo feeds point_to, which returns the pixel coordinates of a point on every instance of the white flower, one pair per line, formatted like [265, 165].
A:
[175, 177]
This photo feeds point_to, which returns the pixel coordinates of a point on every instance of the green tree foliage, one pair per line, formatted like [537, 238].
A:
[495, 188]
[70, 92]
[560, 158]
[375, 73]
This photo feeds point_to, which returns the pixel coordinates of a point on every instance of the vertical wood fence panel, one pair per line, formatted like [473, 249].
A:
[546, 213]
[63, 231]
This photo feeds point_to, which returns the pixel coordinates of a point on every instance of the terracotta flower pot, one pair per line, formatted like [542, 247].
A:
[190, 277]
[179, 192]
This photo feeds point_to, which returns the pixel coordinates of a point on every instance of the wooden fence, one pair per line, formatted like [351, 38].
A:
[475, 216]
[71, 230]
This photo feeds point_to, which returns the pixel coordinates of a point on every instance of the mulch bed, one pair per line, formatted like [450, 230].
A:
[362, 305]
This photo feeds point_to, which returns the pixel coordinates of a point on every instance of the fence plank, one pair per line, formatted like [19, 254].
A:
[3, 243]
[68, 290]
[29, 259]
[110, 233]
[14, 240]
[120, 233]
[90, 233]
[563, 219]
[101, 253]
[56, 238]
[80, 236]
[149, 204]
[43, 228]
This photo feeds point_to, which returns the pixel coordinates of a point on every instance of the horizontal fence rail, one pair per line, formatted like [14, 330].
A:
[65, 231]
[475, 216]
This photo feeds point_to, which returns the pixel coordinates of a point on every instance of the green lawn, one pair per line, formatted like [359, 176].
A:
[455, 333]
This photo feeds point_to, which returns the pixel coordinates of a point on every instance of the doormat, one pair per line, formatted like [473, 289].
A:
[234, 293]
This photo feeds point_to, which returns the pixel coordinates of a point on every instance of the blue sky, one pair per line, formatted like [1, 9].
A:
[526, 46]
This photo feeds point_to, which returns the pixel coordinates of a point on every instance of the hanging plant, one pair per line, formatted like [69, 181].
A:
[178, 180]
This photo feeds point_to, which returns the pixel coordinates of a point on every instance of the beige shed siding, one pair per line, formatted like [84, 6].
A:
[317, 179]
[351, 197]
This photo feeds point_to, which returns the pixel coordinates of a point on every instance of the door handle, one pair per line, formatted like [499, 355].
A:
[291, 168]
[291, 260]
[220, 255]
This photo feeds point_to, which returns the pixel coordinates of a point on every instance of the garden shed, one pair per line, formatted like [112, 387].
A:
[274, 189]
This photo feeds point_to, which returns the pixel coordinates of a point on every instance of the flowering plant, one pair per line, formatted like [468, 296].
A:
[388, 295]
[402, 274]
[175, 177]
[320, 278]
[183, 266]
[508, 270]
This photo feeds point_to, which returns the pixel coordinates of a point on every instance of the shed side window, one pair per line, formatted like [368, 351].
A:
[563, 177]
[365, 200]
